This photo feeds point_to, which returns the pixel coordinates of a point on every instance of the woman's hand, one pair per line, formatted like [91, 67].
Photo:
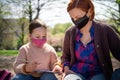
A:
[30, 67]
[68, 71]
[57, 69]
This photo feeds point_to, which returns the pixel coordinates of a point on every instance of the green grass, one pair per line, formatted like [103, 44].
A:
[8, 52]
[59, 54]
[15, 52]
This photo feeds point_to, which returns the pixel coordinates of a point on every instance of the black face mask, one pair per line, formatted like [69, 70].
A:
[81, 22]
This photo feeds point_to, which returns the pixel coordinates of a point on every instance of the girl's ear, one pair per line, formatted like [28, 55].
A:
[29, 35]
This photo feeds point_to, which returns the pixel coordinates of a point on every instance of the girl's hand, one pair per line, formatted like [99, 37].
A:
[30, 67]
[57, 69]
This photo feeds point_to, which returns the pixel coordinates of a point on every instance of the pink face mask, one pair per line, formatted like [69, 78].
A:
[39, 42]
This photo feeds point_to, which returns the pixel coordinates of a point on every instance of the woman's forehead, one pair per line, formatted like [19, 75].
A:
[75, 12]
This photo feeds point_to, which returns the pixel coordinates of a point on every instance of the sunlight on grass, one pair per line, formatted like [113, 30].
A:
[8, 52]
[59, 54]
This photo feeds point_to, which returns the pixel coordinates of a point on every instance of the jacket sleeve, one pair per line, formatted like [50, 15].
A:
[114, 42]
[66, 50]
[19, 63]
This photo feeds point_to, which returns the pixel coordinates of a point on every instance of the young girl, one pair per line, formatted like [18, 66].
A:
[36, 59]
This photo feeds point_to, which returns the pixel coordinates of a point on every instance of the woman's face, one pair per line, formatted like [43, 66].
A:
[39, 33]
[76, 13]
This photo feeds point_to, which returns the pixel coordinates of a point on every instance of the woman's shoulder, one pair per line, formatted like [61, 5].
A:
[105, 27]
[71, 28]
[102, 25]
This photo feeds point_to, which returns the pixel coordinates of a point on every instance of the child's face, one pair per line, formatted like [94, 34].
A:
[39, 33]
[38, 37]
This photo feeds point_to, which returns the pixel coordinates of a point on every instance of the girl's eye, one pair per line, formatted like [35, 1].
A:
[37, 37]
[44, 37]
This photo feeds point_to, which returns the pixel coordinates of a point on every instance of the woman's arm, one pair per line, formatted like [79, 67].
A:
[114, 42]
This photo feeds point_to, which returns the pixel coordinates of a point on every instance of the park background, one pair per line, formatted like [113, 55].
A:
[15, 16]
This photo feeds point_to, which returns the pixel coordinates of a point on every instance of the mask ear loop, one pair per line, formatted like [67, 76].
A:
[77, 3]
[88, 13]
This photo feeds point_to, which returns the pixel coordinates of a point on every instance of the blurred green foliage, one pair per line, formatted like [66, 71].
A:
[118, 1]
[60, 28]
[8, 52]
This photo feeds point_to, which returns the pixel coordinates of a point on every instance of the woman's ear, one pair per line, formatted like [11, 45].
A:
[90, 14]
[91, 10]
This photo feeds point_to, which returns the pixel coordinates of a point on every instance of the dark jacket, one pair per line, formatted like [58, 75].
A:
[105, 40]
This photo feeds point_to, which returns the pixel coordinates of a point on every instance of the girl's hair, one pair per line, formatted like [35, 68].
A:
[85, 5]
[35, 24]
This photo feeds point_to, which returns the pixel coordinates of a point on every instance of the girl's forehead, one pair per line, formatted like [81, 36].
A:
[39, 30]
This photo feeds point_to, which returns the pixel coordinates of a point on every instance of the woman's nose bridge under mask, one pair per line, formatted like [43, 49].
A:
[81, 22]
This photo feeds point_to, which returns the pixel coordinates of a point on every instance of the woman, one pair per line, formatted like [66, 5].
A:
[36, 60]
[87, 45]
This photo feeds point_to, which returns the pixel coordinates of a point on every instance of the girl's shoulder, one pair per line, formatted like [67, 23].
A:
[25, 46]
[49, 48]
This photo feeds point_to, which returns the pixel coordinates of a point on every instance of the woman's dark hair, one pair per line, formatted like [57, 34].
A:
[35, 24]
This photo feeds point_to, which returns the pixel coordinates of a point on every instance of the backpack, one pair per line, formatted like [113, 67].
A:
[5, 75]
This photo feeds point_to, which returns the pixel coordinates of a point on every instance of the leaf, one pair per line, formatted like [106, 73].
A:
[118, 1]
